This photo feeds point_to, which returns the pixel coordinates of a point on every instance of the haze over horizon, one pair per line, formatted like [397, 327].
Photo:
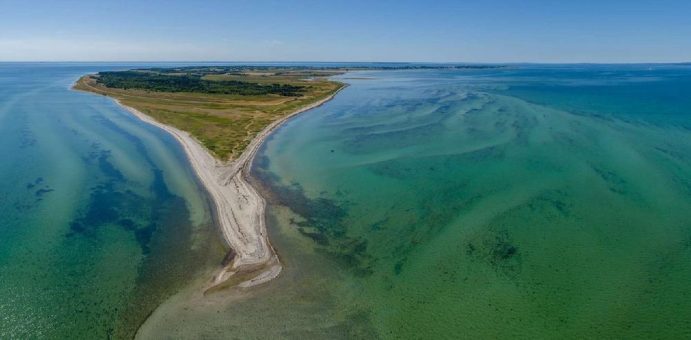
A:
[412, 31]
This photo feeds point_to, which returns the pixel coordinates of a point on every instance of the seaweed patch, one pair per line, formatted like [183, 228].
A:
[110, 205]
[496, 249]
[615, 183]
[323, 223]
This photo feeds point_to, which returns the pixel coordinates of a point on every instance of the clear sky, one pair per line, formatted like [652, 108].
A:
[353, 30]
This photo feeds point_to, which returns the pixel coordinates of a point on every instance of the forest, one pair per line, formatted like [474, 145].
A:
[154, 81]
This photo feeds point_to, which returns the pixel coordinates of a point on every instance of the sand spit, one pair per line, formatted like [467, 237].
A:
[239, 208]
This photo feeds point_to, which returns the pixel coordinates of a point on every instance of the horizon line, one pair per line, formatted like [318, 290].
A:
[357, 62]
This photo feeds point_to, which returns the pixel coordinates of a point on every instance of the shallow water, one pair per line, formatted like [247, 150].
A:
[533, 201]
[100, 215]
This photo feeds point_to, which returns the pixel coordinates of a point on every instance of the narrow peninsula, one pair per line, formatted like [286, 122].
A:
[221, 116]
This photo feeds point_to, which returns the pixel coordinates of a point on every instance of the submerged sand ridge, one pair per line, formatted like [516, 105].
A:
[239, 208]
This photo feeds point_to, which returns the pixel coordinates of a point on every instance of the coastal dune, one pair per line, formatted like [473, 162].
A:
[239, 208]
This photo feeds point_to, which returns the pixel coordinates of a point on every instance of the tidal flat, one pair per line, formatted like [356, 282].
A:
[545, 201]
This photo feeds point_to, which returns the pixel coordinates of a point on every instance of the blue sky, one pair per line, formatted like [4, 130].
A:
[258, 30]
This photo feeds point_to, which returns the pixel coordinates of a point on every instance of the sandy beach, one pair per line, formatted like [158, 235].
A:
[239, 208]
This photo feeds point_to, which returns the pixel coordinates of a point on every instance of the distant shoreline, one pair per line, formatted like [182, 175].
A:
[238, 206]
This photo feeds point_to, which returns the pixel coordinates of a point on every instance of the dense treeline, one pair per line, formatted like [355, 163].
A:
[153, 81]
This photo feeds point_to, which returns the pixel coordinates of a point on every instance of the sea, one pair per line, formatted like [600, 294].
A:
[101, 217]
[529, 201]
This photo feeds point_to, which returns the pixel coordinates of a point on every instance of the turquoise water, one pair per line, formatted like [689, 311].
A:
[535, 201]
[531, 202]
[100, 215]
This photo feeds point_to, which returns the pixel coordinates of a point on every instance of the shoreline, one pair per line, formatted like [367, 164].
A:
[237, 206]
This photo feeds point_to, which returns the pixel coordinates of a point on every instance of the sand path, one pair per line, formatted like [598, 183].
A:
[239, 208]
